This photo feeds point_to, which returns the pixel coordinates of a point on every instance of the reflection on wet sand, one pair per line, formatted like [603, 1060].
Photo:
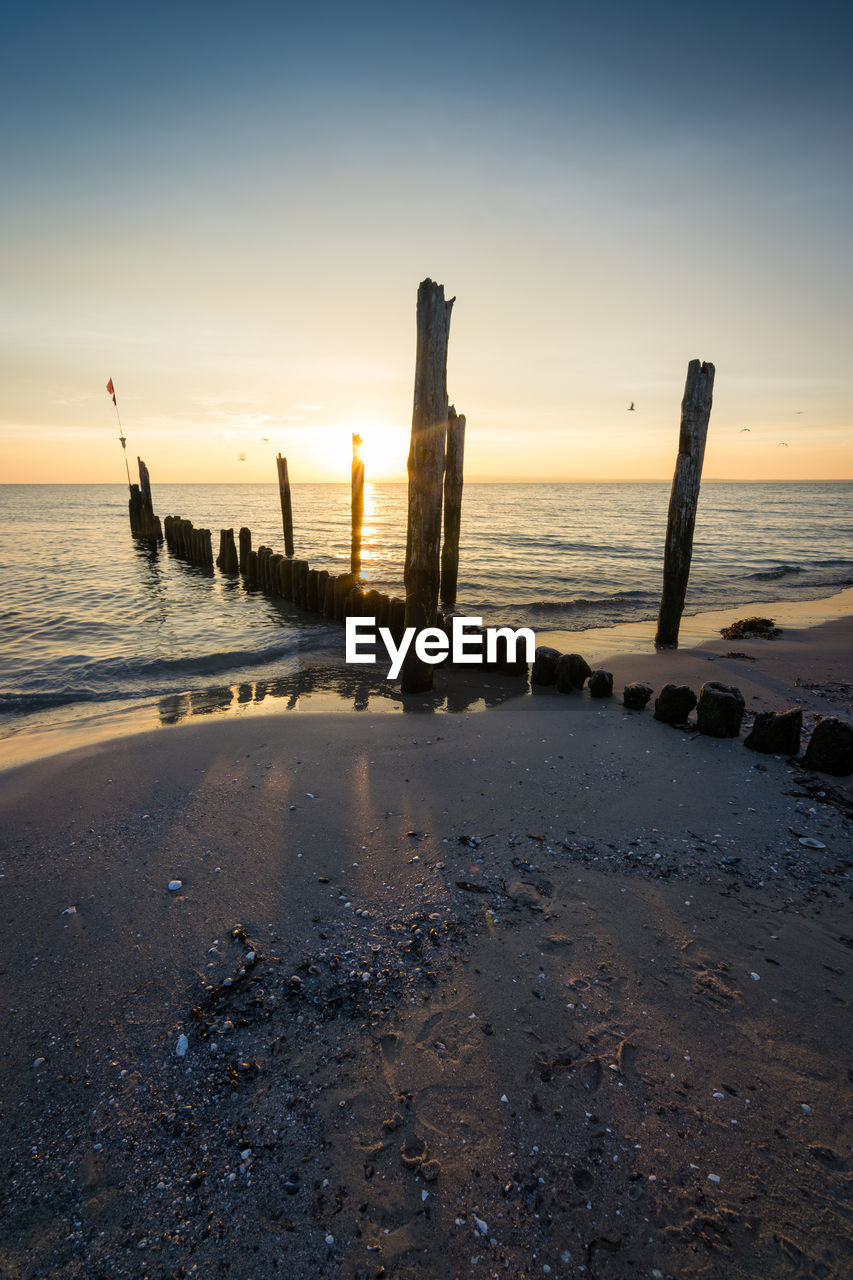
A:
[453, 693]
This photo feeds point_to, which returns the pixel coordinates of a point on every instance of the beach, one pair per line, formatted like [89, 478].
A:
[549, 988]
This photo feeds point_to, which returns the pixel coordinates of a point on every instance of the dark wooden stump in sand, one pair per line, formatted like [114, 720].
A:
[695, 413]
[454, 456]
[426, 474]
[286, 509]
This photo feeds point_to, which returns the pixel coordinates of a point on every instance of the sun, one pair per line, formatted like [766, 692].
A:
[384, 451]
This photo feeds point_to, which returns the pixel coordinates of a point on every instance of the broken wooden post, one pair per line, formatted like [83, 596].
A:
[143, 522]
[286, 509]
[454, 455]
[695, 412]
[357, 506]
[426, 474]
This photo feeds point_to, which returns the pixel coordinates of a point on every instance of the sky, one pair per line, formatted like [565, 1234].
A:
[227, 209]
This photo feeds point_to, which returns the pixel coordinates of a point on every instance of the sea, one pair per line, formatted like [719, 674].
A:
[95, 622]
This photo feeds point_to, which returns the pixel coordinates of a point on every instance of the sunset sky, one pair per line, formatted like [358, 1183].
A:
[228, 208]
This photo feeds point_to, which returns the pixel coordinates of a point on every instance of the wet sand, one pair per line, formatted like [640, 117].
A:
[551, 985]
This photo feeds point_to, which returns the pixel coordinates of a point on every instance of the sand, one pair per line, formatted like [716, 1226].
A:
[547, 989]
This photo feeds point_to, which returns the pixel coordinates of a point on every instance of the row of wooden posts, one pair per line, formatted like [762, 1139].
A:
[435, 468]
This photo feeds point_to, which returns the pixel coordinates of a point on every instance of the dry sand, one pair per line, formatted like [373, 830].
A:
[550, 989]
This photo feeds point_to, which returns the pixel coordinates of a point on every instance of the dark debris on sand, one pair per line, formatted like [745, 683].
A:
[751, 629]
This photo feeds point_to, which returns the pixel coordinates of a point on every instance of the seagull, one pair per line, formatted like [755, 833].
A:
[265, 439]
[782, 445]
[630, 406]
[745, 429]
[242, 457]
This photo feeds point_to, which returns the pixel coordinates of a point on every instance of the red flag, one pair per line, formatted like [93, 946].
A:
[111, 389]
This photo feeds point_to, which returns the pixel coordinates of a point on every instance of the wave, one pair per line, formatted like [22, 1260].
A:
[227, 660]
[115, 679]
[22, 703]
[778, 571]
[582, 602]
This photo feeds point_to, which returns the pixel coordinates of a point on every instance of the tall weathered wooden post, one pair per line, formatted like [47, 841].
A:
[454, 456]
[695, 413]
[357, 505]
[143, 521]
[426, 474]
[286, 509]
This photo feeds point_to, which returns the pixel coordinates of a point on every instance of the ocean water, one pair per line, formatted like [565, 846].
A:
[92, 617]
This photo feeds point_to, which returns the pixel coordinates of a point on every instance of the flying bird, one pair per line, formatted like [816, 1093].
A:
[265, 439]
[745, 429]
[242, 457]
[782, 444]
[630, 406]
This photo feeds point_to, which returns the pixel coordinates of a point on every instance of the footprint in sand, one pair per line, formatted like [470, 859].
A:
[827, 1157]
[715, 988]
[389, 1046]
[591, 1074]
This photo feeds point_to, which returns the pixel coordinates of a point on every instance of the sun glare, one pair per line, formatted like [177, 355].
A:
[383, 452]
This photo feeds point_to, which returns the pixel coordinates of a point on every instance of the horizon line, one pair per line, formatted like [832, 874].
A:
[8, 484]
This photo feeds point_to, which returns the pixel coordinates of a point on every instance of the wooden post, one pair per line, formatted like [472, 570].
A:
[143, 522]
[275, 573]
[311, 592]
[227, 558]
[343, 584]
[426, 474]
[300, 582]
[382, 609]
[285, 570]
[245, 549]
[151, 527]
[695, 412]
[322, 579]
[286, 509]
[452, 505]
[329, 596]
[357, 506]
[264, 554]
[396, 618]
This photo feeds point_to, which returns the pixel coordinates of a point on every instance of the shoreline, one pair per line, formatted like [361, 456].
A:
[326, 686]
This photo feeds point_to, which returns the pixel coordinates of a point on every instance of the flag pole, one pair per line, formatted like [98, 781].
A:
[111, 390]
